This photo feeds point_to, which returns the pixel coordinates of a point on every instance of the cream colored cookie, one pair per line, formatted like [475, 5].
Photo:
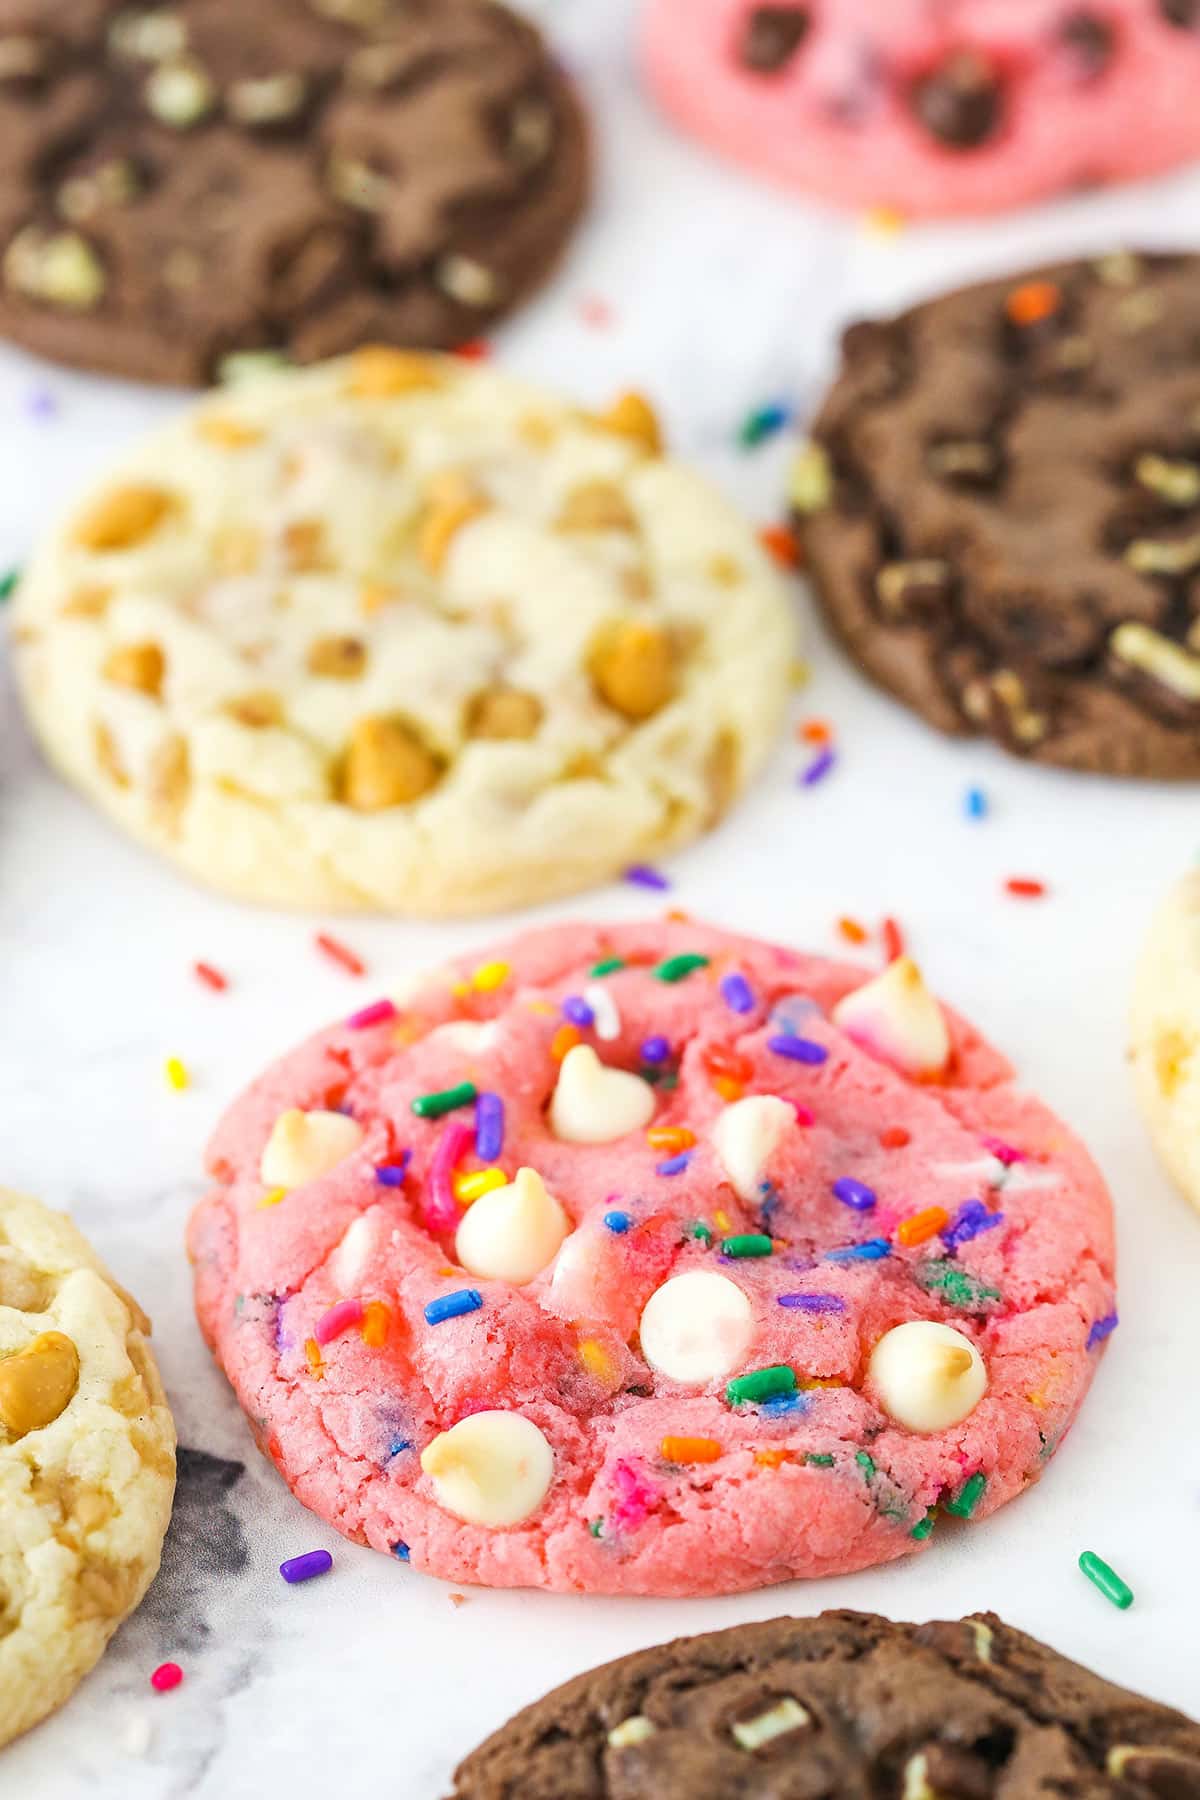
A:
[1165, 1045]
[87, 1460]
[400, 632]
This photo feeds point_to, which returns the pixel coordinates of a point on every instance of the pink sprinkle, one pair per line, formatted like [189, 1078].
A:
[442, 1211]
[636, 1497]
[166, 1677]
[596, 312]
[804, 1114]
[339, 1318]
[375, 1014]
[1003, 1152]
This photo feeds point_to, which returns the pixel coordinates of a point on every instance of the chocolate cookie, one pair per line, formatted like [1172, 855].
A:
[295, 175]
[843, 1705]
[1001, 510]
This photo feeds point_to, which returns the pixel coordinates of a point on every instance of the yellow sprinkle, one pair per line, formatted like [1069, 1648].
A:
[176, 1073]
[312, 1355]
[597, 1361]
[543, 1007]
[800, 674]
[461, 989]
[469, 1186]
[490, 975]
[884, 221]
[818, 1381]
[272, 1197]
[722, 1220]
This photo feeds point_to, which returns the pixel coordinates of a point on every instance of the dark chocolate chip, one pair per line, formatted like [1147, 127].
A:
[772, 36]
[1182, 13]
[1089, 40]
[961, 101]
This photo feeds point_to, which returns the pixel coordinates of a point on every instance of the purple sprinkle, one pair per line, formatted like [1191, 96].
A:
[655, 1050]
[797, 1049]
[489, 1127]
[674, 1165]
[818, 768]
[392, 1174]
[303, 1568]
[642, 875]
[375, 1014]
[812, 1303]
[576, 1009]
[1102, 1329]
[854, 1193]
[40, 403]
[736, 992]
[971, 1219]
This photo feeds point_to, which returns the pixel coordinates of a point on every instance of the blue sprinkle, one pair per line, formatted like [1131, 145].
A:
[618, 1221]
[576, 1009]
[489, 1127]
[401, 1551]
[975, 803]
[674, 1165]
[392, 1174]
[770, 1205]
[397, 1447]
[797, 1049]
[778, 1404]
[1101, 1329]
[972, 1218]
[854, 1193]
[763, 423]
[873, 1250]
[655, 1050]
[812, 1303]
[736, 992]
[452, 1306]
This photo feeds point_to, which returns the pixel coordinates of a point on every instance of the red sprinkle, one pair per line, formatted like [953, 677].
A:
[211, 977]
[1024, 887]
[596, 312]
[778, 542]
[895, 1137]
[340, 954]
[166, 1677]
[893, 939]
[376, 1014]
[474, 350]
[805, 1116]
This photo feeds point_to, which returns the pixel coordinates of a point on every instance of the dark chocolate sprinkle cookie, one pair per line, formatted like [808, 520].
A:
[1000, 507]
[209, 176]
[844, 1705]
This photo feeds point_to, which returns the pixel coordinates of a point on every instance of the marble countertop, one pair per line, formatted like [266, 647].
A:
[373, 1680]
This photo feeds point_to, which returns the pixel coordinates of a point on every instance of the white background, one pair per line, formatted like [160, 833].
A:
[725, 295]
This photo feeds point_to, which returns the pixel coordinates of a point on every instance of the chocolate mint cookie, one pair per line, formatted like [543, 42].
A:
[212, 176]
[842, 1705]
[1001, 511]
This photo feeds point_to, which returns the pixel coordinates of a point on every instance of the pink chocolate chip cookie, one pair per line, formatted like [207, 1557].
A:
[934, 106]
[652, 1260]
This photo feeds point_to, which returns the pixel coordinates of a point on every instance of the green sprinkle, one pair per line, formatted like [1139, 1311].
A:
[8, 582]
[676, 967]
[607, 966]
[760, 1384]
[819, 1459]
[1107, 1580]
[747, 1243]
[696, 1228]
[596, 1527]
[967, 1497]
[955, 1286]
[924, 1527]
[432, 1106]
[866, 1464]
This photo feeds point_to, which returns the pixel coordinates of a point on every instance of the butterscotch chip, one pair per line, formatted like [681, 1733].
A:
[169, 781]
[123, 518]
[379, 373]
[504, 713]
[226, 432]
[340, 658]
[596, 506]
[303, 546]
[140, 666]
[386, 765]
[632, 416]
[257, 711]
[89, 602]
[442, 523]
[633, 668]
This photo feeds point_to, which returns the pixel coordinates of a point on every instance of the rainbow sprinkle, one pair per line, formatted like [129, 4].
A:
[675, 968]
[392, 1174]
[823, 764]
[619, 1222]
[812, 1303]
[1102, 1329]
[306, 1566]
[674, 1165]
[339, 953]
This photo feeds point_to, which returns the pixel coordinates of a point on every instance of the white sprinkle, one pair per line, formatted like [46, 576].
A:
[604, 1012]
[137, 1735]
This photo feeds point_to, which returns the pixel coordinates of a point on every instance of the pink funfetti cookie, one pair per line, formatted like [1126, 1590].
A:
[934, 106]
[652, 1260]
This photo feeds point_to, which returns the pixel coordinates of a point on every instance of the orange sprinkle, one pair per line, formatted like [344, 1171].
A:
[670, 1137]
[918, 1228]
[815, 731]
[1033, 301]
[564, 1039]
[312, 1352]
[727, 1089]
[770, 1459]
[895, 1137]
[689, 1449]
[779, 543]
[677, 916]
[720, 1061]
[722, 1219]
[852, 931]
[374, 1328]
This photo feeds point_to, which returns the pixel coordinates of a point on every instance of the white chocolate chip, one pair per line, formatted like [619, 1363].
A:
[594, 1104]
[787, 1716]
[512, 1232]
[745, 1136]
[1159, 657]
[180, 93]
[696, 1327]
[916, 1779]
[896, 1018]
[349, 1261]
[634, 1730]
[927, 1376]
[467, 1035]
[493, 1468]
[606, 1018]
[466, 281]
[267, 99]
[303, 1146]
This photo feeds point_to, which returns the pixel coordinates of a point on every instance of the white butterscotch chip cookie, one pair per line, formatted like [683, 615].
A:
[87, 1460]
[1165, 1035]
[401, 633]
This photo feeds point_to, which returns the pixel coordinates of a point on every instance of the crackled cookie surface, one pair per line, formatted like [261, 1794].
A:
[1001, 510]
[188, 180]
[845, 1703]
[933, 106]
[87, 1460]
[400, 632]
[652, 1260]
[1165, 1034]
